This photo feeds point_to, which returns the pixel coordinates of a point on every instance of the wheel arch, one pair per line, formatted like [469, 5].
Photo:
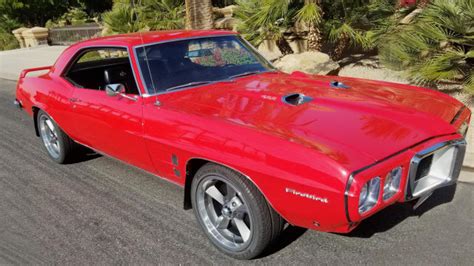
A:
[35, 111]
[195, 163]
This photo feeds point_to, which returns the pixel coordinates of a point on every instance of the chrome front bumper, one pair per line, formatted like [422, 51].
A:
[435, 167]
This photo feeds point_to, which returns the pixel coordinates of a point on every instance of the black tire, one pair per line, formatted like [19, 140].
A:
[64, 152]
[264, 224]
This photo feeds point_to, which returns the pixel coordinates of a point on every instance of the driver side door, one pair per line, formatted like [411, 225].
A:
[108, 124]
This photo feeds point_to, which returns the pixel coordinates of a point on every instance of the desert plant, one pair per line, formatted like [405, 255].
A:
[7, 41]
[164, 14]
[130, 16]
[266, 20]
[311, 15]
[437, 47]
[74, 16]
[199, 14]
[123, 18]
[355, 23]
[343, 23]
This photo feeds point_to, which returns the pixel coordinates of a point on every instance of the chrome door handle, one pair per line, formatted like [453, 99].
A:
[73, 100]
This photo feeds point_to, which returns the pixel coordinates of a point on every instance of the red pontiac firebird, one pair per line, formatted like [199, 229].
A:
[253, 148]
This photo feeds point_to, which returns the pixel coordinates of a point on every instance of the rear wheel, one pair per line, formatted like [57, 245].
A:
[58, 145]
[232, 212]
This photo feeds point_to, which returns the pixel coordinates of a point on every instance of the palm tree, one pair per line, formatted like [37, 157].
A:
[437, 47]
[266, 20]
[355, 23]
[311, 15]
[199, 14]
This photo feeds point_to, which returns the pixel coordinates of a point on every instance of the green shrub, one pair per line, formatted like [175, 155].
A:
[74, 16]
[437, 48]
[150, 15]
[8, 41]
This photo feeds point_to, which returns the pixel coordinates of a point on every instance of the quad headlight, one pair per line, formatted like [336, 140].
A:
[369, 195]
[392, 183]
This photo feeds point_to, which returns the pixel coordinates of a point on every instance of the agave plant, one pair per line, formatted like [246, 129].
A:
[437, 47]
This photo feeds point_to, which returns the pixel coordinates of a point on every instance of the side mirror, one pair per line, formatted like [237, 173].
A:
[114, 89]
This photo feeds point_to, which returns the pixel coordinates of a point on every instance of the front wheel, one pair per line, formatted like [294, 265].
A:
[232, 212]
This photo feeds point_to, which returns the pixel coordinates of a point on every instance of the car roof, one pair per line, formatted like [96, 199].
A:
[139, 38]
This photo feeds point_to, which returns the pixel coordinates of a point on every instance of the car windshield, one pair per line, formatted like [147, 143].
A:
[186, 63]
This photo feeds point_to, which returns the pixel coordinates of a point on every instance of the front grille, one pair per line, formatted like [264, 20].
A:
[424, 167]
[435, 167]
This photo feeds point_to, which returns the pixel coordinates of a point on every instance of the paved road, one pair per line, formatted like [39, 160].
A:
[101, 211]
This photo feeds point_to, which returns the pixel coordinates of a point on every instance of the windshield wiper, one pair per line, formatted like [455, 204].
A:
[190, 84]
[248, 73]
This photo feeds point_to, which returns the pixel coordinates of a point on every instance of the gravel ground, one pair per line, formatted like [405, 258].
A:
[99, 211]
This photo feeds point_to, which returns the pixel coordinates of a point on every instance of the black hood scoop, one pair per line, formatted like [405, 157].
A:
[296, 99]
[338, 85]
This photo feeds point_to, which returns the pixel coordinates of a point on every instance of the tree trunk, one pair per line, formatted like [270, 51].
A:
[341, 46]
[314, 33]
[314, 38]
[284, 46]
[199, 14]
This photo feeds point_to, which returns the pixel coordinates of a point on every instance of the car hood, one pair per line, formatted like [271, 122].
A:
[368, 120]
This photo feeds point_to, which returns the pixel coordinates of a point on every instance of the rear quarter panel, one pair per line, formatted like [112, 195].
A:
[48, 93]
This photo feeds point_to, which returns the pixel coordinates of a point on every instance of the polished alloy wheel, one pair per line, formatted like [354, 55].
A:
[224, 213]
[49, 135]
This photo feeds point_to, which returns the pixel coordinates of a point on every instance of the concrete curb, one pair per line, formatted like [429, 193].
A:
[467, 175]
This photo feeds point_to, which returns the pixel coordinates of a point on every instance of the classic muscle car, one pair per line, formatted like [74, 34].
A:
[253, 148]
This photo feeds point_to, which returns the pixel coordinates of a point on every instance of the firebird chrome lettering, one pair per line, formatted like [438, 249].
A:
[306, 195]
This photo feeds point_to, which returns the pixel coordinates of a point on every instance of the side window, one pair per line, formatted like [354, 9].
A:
[95, 68]
[211, 53]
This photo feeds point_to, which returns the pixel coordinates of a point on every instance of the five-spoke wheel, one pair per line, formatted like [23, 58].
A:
[232, 212]
[224, 212]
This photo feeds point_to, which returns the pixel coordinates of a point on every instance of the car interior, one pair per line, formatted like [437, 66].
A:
[96, 74]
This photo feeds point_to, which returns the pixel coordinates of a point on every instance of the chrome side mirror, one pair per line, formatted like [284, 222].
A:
[114, 89]
[118, 89]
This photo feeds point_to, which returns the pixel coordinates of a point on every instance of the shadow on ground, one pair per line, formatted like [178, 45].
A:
[380, 222]
[393, 215]
[83, 154]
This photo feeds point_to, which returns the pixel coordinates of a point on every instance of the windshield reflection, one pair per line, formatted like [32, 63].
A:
[183, 63]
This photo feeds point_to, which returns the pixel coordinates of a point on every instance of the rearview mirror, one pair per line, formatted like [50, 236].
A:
[114, 89]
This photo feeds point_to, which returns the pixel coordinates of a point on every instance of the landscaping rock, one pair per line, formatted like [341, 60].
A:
[370, 68]
[269, 50]
[309, 62]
